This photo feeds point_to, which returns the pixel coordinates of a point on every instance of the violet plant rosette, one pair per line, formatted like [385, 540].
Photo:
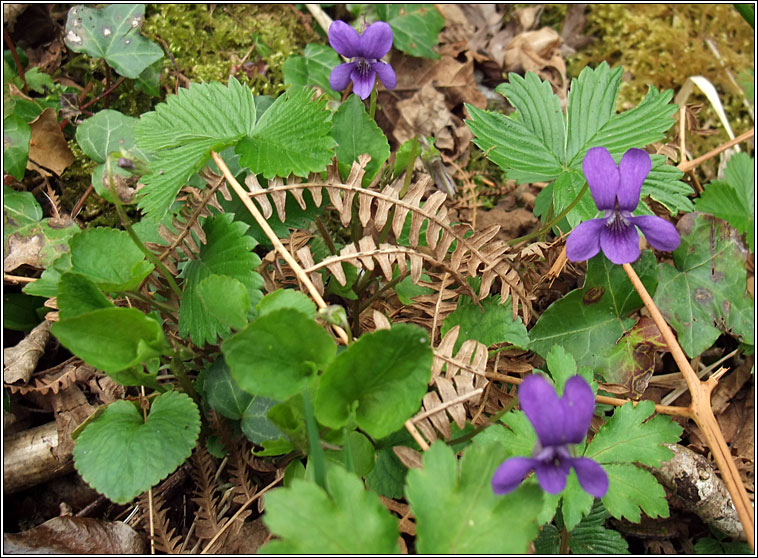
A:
[558, 422]
[365, 50]
[616, 191]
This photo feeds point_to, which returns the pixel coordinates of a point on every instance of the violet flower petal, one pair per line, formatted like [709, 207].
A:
[580, 407]
[592, 477]
[621, 245]
[376, 40]
[511, 473]
[602, 176]
[340, 76]
[659, 233]
[344, 39]
[552, 475]
[633, 169]
[584, 241]
[543, 409]
[386, 74]
[363, 82]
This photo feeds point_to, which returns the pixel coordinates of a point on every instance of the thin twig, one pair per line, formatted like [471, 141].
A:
[702, 413]
[685, 166]
[251, 207]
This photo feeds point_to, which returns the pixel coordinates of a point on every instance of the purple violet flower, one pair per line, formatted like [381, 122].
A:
[616, 191]
[558, 422]
[365, 51]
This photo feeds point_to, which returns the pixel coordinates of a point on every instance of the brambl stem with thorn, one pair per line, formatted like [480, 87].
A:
[701, 412]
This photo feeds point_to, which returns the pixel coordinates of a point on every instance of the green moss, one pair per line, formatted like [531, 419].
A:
[208, 43]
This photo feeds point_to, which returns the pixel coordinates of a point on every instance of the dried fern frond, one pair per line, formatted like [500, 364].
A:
[165, 539]
[57, 381]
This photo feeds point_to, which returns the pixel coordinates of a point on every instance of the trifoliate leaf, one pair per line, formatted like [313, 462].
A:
[357, 133]
[112, 339]
[705, 294]
[458, 513]
[491, 324]
[292, 137]
[587, 322]
[415, 27]
[312, 68]
[386, 365]
[110, 258]
[276, 355]
[16, 137]
[227, 252]
[628, 437]
[112, 33]
[183, 130]
[592, 537]
[347, 520]
[632, 490]
[122, 455]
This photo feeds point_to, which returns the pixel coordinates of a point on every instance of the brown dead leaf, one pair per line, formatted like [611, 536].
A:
[75, 535]
[21, 360]
[573, 25]
[539, 52]
[71, 409]
[48, 147]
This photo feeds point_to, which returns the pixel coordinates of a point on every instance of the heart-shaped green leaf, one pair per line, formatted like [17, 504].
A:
[16, 137]
[121, 455]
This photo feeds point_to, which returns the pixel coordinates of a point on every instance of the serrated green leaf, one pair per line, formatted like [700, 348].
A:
[591, 536]
[415, 27]
[112, 339]
[562, 366]
[575, 502]
[112, 33]
[277, 354]
[286, 298]
[458, 513]
[183, 130]
[709, 546]
[292, 137]
[225, 301]
[227, 252]
[388, 475]
[347, 520]
[705, 294]
[491, 324]
[629, 437]
[110, 258]
[632, 490]
[77, 295]
[16, 137]
[313, 68]
[516, 434]
[122, 455]
[587, 322]
[357, 133]
[663, 185]
[565, 189]
[385, 365]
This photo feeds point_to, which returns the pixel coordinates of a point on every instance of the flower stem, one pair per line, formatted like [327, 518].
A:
[372, 103]
[702, 413]
[552, 222]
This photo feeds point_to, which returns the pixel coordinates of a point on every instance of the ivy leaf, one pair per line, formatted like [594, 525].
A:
[490, 325]
[415, 27]
[592, 537]
[347, 520]
[292, 137]
[385, 365]
[276, 355]
[313, 68]
[27, 237]
[357, 133]
[227, 252]
[182, 131]
[122, 455]
[458, 513]
[587, 322]
[705, 295]
[112, 33]
[110, 258]
[112, 339]
[733, 200]
[16, 137]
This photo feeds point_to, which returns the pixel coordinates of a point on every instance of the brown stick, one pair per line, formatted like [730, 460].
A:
[253, 209]
[686, 166]
[702, 413]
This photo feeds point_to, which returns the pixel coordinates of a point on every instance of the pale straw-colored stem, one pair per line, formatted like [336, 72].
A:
[702, 413]
[269, 232]
[685, 166]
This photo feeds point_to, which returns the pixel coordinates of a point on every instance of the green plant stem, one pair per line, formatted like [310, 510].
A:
[152, 302]
[372, 103]
[378, 293]
[144, 249]
[325, 235]
[349, 465]
[552, 222]
[564, 541]
[409, 168]
[177, 367]
[315, 451]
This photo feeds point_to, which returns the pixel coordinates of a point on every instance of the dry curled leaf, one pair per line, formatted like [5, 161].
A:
[75, 535]
[48, 149]
[21, 360]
